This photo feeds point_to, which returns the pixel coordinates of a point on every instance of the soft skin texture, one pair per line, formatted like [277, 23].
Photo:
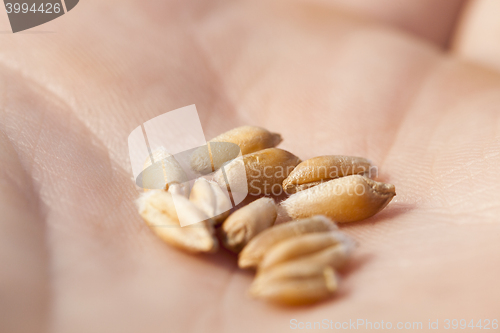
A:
[371, 80]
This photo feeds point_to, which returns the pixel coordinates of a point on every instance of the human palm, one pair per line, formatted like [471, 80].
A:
[332, 79]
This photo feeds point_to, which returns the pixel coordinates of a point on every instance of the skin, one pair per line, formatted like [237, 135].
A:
[402, 85]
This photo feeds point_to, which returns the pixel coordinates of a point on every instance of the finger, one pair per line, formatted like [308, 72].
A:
[429, 19]
[479, 32]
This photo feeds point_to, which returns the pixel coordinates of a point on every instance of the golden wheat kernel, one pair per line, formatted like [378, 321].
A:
[254, 251]
[346, 199]
[292, 269]
[249, 139]
[159, 211]
[323, 168]
[302, 246]
[265, 171]
[211, 199]
[295, 284]
[248, 221]
[335, 256]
